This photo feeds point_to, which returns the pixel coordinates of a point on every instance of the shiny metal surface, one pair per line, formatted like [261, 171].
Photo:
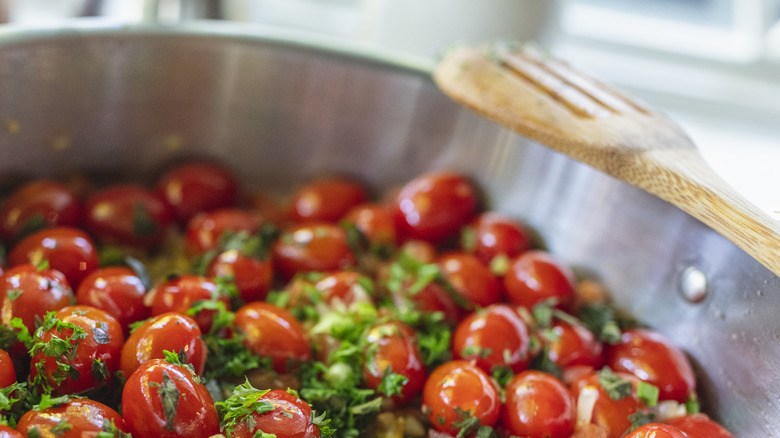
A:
[123, 102]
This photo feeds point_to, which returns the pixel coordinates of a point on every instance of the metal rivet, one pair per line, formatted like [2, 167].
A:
[693, 284]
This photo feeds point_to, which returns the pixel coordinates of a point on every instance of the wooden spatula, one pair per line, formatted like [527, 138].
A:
[547, 100]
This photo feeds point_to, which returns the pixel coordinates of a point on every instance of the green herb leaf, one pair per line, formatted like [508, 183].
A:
[243, 402]
[169, 396]
[616, 387]
[647, 393]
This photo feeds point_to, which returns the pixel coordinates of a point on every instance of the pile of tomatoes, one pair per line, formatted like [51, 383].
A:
[194, 306]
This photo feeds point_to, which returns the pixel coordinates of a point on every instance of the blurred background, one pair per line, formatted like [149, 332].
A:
[712, 65]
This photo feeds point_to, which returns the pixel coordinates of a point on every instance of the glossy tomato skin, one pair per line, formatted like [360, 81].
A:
[493, 336]
[66, 249]
[657, 430]
[393, 347]
[699, 426]
[471, 278]
[571, 345]
[205, 230]
[291, 417]
[271, 331]
[29, 293]
[102, 341]
[253, 277]
[7, 370]
[171, 331]
[128, 215]
[459, 386]
[320, 247]
[195, 187]
[326, 200]
[538, 405]
[117, 290]
[376, 222]
[180, 293]
[157, 384]
[434, 206]
[492, 234]
[653, 358]
[36, 205]
[9, 432]
[536, 276]
[613, 415]
[84, 416]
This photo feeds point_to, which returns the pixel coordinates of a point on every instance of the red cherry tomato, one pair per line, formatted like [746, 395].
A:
[652, 358]
[471, 278]
[37, 205]
[699, 426]
[9, 432]
[29, 293]
[290, 417]
[613, 415]
[166, 400]
[169, 331]
[7, 370]
[320, 247]
[376, 222]
[181, 293]
[456, 391]
[95, 339]
[128, 215]
[205, 229]
[538, 405]
[535, 276]
[68, 250]
[493, 234]
[77, 418]
[392, 347]
[338, 290]
[196, 187]
[116, 290]
[326, 200]
[271, 331]
[434, 206]
[493, 336]
[657, 430]
[572, 345]
[253, 277]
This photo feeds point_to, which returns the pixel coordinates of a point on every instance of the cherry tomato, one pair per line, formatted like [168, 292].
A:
[37, 205]
[166, 400]
[29, 293]
[7, 369]
[493, 234]
[68, 250]
[128, 215]
[287, 417]
[253, 277]
[611, 414]
[535, 276]
[471, 278]
[195, 187]
[116, 290]
[338, 290]
[326, 200]
[493, 336]
[169, 331]
[9, 432]
[538, 405]
[180, 293]
[205, 229]
[320, 247]
[434, 206]
[572, 345]
[656, 430]
[76, 418]
[432, 298]
[376, 222]
[392, 347]
[652, 358]
[271, 331]
[457, 391]
[699, 426]
[89, 356]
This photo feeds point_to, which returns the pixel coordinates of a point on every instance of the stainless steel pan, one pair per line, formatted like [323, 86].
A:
[122, 102]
